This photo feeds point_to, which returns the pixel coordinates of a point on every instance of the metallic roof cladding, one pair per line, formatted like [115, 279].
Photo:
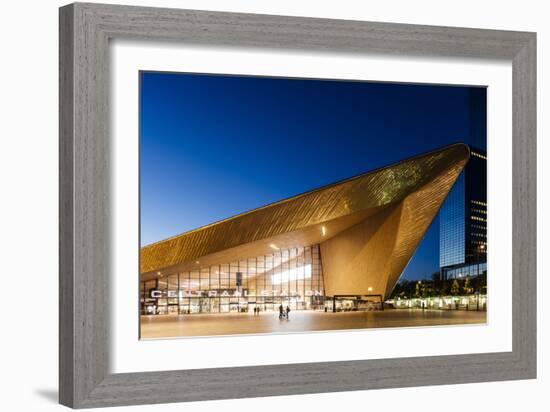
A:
[421, 182]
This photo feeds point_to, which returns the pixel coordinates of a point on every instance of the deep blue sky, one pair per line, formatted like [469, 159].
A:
[216, 146]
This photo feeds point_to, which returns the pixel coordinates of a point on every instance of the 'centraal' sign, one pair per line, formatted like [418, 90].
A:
[156, 294]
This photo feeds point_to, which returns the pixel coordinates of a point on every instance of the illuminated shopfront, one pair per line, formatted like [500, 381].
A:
[469, 302]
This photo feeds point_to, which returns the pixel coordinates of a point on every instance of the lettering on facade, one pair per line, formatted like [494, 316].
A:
[157, 294]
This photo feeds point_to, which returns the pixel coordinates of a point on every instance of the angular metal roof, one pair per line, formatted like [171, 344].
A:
[297, 221]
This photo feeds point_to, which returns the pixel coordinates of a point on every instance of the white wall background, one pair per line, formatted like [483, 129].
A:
[28, 206]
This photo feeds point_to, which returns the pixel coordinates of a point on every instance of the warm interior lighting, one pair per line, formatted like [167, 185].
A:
[293, 274]
[370, 289]
[273, 246]
[197, 262]
[323, 230]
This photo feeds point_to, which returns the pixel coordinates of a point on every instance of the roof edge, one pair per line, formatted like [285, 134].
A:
[282, 201]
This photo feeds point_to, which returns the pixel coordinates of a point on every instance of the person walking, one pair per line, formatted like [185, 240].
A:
[287, 311]
[281, 311]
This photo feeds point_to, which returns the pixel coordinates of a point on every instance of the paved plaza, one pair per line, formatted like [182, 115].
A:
[169, 326]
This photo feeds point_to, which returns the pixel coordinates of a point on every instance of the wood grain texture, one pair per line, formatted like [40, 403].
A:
[66, 228]
[524, 208]
[85, 30]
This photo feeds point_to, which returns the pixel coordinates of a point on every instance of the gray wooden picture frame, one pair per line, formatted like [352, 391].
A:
[85, 32]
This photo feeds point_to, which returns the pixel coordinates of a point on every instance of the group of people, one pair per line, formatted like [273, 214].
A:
[283, 313]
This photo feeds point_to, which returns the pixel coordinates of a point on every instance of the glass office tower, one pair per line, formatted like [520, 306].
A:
[463, 219]
[463, 216]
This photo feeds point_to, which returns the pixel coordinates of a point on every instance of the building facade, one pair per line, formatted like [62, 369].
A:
[463, 221]
[468, 270]
[345, 242]
[290, 277]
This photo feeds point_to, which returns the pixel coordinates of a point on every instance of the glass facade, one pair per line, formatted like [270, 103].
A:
[464, 271]
[452, 239]
[463, 216]
[291, 277]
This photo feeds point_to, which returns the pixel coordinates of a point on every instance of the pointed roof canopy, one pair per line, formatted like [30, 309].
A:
[316, 216]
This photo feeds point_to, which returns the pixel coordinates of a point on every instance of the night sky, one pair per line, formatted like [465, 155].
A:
[216, 146]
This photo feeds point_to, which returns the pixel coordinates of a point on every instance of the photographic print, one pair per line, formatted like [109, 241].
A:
[284, 205]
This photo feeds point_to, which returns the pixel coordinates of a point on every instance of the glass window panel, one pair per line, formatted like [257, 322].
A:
[184, 281]
[268, 262]
[214, 282]
[194, 284]
[173, 282]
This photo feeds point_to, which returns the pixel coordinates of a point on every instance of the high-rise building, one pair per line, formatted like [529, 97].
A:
[463, 221]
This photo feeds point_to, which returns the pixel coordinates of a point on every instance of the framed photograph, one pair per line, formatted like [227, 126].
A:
[256, 205]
